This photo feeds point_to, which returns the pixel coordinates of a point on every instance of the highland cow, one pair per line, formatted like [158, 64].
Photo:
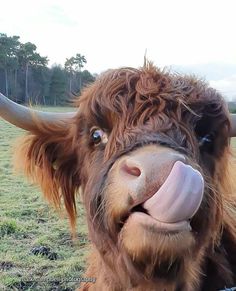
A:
[150, 151]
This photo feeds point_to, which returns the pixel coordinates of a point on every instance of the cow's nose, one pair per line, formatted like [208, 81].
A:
[130, 168]
[144, 170]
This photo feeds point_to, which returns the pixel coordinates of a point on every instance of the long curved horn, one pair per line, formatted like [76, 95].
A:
[233, 125]
[22, 116]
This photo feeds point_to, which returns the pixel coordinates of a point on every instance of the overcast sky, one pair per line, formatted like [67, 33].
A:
[195, 35]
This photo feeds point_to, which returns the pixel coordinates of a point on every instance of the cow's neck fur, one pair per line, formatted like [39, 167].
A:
[198, 274]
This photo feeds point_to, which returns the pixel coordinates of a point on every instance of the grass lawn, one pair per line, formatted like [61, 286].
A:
[26, 223]
[233, 143]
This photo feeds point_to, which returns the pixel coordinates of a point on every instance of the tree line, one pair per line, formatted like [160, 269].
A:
[25, 76]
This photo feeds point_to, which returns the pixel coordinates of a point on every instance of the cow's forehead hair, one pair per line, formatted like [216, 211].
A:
[124, 92]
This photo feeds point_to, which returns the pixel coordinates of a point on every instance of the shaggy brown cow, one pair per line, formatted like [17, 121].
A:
[150, 152]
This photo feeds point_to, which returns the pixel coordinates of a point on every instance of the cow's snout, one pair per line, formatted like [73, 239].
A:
[130, 168]
[158, 180]
[145, 170]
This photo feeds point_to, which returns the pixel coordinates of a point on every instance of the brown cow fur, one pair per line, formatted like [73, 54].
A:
[135, 108]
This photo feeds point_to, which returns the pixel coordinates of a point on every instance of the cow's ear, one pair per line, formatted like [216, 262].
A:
[49, 157]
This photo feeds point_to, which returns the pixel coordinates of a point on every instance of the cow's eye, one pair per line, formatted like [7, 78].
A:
[206, 142]
[98, 136]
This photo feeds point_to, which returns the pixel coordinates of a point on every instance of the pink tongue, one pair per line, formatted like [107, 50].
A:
[179, 197]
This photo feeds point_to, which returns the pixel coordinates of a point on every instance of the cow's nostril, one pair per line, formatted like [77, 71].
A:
[131, 169]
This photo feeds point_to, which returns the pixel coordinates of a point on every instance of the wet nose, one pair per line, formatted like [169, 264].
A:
[130, 168]
[146, 168]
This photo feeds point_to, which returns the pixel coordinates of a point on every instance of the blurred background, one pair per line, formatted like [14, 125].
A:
[50, 49]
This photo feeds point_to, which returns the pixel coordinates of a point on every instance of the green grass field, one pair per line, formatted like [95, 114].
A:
[233, 144]
[26, 221]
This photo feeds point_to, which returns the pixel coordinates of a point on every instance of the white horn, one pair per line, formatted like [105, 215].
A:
[23, 117]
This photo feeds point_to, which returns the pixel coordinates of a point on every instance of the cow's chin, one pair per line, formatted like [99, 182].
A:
[157, 250]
